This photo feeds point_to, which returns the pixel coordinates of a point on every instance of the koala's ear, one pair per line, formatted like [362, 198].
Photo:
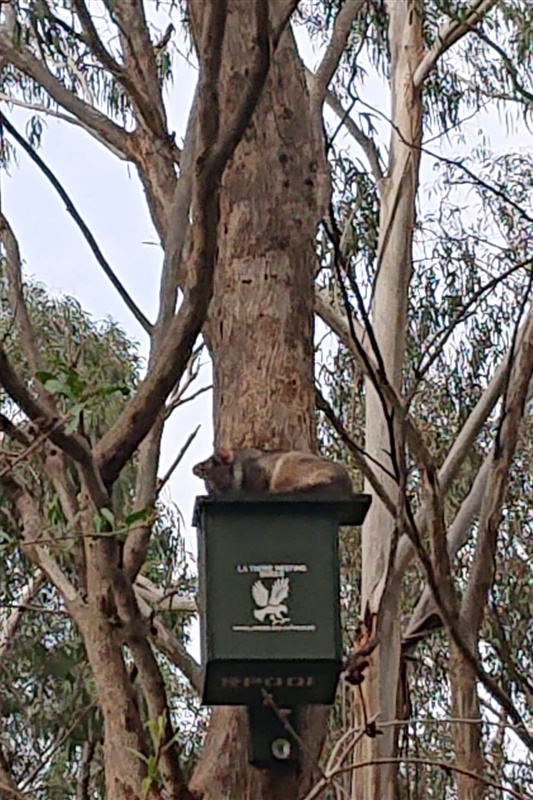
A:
[224, 456]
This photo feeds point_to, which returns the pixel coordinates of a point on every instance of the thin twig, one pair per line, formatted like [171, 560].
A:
[357, 452]
[167, 475]
[89, 238]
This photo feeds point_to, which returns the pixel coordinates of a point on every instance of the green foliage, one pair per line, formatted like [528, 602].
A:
[47, 696]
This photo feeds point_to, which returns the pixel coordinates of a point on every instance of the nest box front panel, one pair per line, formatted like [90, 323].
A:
[271, 587]
[269, 597]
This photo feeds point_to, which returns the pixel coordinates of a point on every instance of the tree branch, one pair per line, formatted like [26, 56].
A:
[50, 112]
[167, 644]
[353, 337]
[449, 35]
[17, 301]
[454, 629]
[458, 532]
[32, 525]
[105, 130]
[163, 601]
[508, 64]
[421, 620]
[334, 51]
[365, 142]
[14, 431]
[144, 87]
[73, 444]
[89, 238]
[162, 481]
[482, 571]
[84, 770]
[356, 451]
[166, 749]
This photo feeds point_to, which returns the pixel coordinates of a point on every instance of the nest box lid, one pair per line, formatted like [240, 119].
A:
[348, 511]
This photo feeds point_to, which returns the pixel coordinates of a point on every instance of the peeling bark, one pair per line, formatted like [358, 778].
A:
[467, 737]
[397, 218]
[260, 334]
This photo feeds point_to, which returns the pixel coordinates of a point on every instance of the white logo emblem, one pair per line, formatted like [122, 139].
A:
[270, 591]
[270, 604]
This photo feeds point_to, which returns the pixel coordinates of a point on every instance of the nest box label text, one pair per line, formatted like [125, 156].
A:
[271, 598]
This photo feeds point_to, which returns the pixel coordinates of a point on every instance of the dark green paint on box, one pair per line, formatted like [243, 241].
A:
[269, 596]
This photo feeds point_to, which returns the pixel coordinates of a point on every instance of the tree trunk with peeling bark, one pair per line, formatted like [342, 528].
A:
[467, 735]
[260, 334]
[398, 192]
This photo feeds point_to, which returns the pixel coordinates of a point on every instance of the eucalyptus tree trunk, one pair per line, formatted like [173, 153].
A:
[467, 736]
[389, 321]
[260, 334]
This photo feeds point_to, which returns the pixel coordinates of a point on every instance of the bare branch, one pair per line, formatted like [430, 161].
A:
[354, 338]
[482, 572]
[336, 46]
[365, 142]
[89, 238]
[357, 453]
[163, 601]
[180, 401]
[449, 35]
[421, 621]
[138, 538]
[178, 226]
[167, 644]
[336, 320]
[162, 481]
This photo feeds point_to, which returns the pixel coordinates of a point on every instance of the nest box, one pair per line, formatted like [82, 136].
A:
[269, 596]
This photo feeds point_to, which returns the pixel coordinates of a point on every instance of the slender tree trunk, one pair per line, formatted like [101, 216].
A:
[260, 334]
[467, 737]
[123, 732]
[389, 320]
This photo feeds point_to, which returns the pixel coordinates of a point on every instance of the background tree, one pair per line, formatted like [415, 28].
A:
[428, 295]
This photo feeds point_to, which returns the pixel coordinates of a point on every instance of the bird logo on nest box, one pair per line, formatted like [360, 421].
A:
[270, 604]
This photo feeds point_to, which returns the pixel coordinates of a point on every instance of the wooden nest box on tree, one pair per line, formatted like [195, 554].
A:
[269, 597]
